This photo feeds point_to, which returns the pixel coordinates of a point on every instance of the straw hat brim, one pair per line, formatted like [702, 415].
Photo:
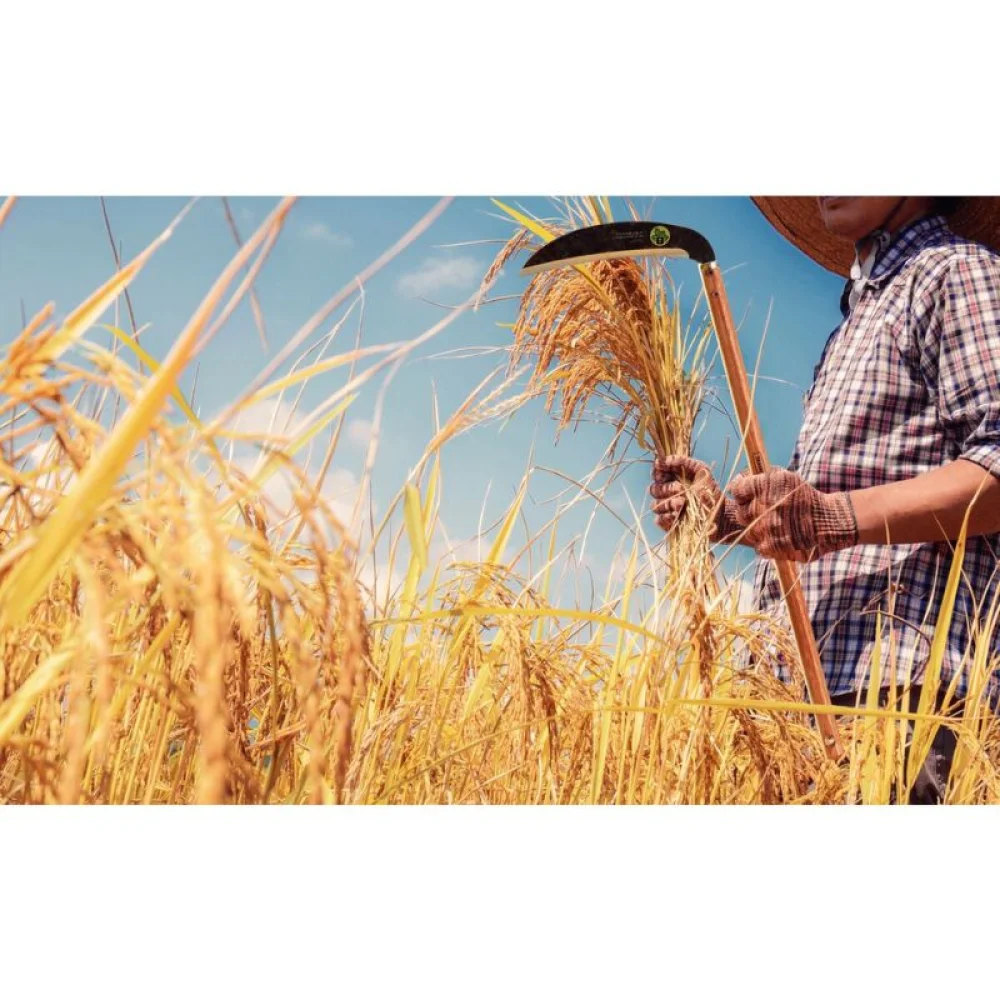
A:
[798, 220]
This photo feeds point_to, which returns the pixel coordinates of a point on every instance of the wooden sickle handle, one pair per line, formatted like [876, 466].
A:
[739, 386]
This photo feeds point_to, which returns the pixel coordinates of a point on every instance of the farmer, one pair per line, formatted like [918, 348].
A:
[900, 438]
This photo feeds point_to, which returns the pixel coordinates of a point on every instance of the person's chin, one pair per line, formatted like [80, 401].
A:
[836, 217]
[841, 228]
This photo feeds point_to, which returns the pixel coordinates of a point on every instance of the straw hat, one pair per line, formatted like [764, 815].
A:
[798, 220]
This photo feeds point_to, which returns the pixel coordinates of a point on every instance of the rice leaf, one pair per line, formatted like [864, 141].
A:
[926, 727]
[414, 525]
[503, 536]
[532, 225]
[48, 675]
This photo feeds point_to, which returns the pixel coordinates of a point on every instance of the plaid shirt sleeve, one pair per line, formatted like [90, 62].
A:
[961, 353]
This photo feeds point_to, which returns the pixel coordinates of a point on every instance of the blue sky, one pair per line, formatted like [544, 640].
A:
[57, 249]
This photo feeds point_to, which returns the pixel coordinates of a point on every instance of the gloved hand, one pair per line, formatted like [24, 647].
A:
[783, 517]
[678, 480]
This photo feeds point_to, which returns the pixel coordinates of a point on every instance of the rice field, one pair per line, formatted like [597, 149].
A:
[168, 634]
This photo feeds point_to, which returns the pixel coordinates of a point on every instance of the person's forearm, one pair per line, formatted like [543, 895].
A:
[929, 507]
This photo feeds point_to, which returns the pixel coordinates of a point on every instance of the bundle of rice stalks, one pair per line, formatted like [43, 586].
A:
[610, 332]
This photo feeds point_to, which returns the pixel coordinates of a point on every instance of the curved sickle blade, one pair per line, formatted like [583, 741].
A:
[620, 239]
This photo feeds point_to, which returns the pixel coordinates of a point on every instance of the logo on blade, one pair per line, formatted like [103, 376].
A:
[659, 236]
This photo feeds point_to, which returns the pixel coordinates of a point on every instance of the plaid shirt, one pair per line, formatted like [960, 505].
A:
[908, 382]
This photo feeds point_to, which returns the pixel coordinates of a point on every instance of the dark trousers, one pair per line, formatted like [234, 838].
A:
[929, 788]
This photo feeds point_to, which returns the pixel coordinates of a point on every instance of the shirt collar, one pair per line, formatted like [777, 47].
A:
[931, 230]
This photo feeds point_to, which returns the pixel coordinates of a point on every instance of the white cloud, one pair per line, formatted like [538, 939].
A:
[320, 232]
[438, 273]
[448, 551]
[359, 431]
[271, 418]
[342, 490]
[39, 451]
[267, 418]
[382, 581]
[277, 490]
[58, 478]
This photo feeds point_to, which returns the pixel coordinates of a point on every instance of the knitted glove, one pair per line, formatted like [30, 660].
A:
[678, 479]
[786, 518]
